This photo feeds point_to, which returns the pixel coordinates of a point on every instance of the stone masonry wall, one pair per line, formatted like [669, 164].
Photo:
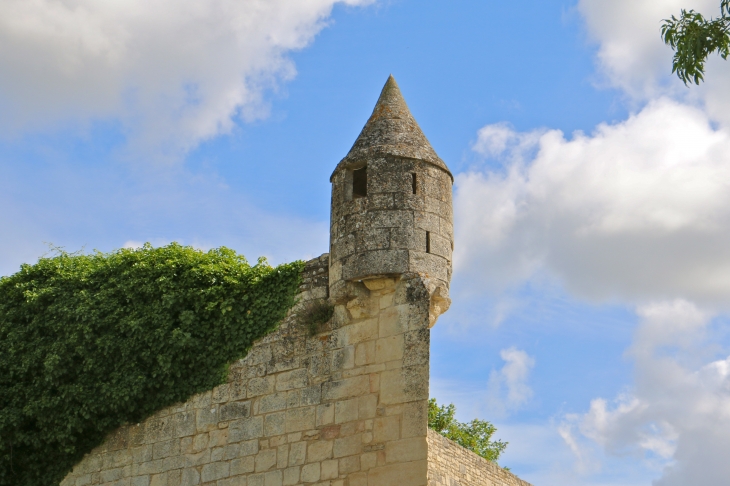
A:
[449, 464]
[346, 407]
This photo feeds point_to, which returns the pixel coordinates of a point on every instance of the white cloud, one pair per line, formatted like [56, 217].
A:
[632, 56]
[678, 412]
[172, 72]
[638, 210]
[508, 388]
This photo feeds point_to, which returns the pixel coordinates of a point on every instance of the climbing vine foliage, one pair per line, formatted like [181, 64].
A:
[91, 342]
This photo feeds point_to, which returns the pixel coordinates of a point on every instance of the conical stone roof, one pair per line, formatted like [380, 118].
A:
[392, 130]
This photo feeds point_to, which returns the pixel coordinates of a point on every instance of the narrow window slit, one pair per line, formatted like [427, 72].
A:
[415, 182]
[428, 242]
[360, 182]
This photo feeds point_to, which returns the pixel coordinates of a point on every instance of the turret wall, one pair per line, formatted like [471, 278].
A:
[392, 231]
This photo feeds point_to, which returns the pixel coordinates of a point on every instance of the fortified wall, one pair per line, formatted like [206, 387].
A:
[347, 405]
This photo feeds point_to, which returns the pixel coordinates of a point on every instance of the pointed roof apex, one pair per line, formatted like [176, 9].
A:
[392, 130]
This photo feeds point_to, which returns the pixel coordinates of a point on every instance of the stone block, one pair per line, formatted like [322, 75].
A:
[282, 456]
[346, 410]
[367, 406]
[372, 239]
[275, 424]
[349, 465]
[404, 474]
[392, 321]
[404, 385]
[356, 333]
[165, 449]
[347, 446]
[271, 403]
[248, 448]
[214, 471]
[260, 386]
[389, 219]
[235, 410]
[406, 450]
[255, 480]
[291, 476]
[136, 481]
[416, 347]
[386, 300]
[386, 428]
[290, 380]
[312, 395]
[184, 424]
[141, 454]
[220, 394]
[319, 450]
[273, 478]
[343, 359]
[414, 419]
[297, 453]
[265, 460]
[365, 353]
[218, 437]
[330, 469]
[192, 460]
[155, 479]
[347, 388]
[233, 481]
[243, 465]
[190, 477]
[368, 460]
[310, 473]
[358, 479]
[205, 419]
[389, 348]
[325, 414]
[299, 419]
[258, 354]
[150, 467]
[246, 429]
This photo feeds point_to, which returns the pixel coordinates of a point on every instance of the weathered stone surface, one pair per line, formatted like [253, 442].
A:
[449, 464]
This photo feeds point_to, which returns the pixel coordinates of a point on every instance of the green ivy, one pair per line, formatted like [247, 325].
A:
[475, 436]
[91, 342]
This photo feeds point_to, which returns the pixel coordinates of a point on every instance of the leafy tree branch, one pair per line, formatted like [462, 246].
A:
[693, 38]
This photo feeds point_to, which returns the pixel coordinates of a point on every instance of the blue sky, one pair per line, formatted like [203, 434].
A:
[590, 289]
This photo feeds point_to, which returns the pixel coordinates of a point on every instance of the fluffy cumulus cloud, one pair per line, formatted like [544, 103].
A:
[638, 210]
[508, 387]
[170, 72]
[677, 414]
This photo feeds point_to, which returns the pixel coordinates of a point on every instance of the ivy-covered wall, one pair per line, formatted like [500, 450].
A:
[92, 342]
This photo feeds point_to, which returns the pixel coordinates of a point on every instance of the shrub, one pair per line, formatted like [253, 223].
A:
[475, 435]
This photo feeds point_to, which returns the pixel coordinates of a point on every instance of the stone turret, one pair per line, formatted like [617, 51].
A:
[391, 205]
